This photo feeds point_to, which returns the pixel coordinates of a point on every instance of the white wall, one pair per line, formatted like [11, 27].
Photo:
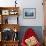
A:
[39, 13]
[27, 4]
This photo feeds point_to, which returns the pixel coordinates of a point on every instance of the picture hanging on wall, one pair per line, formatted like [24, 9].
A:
[29, 13]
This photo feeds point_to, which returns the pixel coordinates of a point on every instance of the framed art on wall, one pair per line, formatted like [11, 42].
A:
[29, 13]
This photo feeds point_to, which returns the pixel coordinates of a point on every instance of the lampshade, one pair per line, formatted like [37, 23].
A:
[15, 30]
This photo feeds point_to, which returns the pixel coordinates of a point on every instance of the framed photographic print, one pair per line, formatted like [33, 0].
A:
[29, 13]
[5, 12]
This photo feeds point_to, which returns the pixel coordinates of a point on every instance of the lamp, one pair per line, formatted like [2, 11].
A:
[15, 30]
[15, 37]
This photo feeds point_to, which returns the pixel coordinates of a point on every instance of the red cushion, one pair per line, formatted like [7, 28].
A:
[28, 33]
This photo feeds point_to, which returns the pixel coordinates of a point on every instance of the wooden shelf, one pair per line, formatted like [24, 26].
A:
[10, 9]
[9, 43]
[10, 26]
[5, 8]
[4, 13]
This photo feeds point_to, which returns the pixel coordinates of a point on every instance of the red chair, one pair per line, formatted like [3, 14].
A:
[29, 33]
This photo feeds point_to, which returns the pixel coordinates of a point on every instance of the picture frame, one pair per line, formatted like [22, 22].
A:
[29, 13]
[5, 12]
